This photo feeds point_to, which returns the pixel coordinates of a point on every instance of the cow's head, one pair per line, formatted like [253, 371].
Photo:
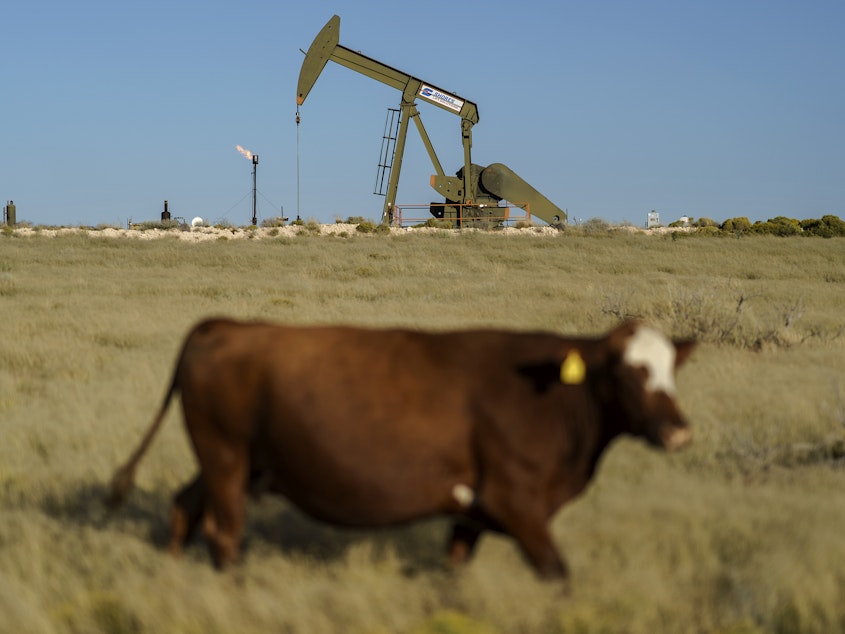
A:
[641, 373]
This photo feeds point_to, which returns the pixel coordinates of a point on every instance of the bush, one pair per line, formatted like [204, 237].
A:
[736, 225]
[596, 226]
[434, 223]
[708, 231]
[313, 227]
[778, 226]
[705, 222]
[368, 226]
[828, 227]
[155, 224]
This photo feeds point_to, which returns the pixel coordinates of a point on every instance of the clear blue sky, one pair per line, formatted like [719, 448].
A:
[610, 109]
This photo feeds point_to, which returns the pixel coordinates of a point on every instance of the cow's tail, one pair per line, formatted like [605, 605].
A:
[124, 478]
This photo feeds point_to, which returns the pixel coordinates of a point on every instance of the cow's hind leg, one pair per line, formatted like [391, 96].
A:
[465, 534]
[188, 506]
[462, 542]
[223, 520]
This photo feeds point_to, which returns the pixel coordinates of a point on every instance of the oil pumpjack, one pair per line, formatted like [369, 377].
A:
[473, 194]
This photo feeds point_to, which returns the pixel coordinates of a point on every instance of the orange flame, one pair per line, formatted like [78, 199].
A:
[246, 153]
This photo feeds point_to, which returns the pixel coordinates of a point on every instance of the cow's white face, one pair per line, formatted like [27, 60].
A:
[649, 349]
[651, 359]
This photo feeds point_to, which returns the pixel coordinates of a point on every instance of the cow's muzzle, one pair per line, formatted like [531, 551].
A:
[674, 437]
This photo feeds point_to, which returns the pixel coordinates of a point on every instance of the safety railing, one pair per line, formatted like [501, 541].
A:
[467, 215]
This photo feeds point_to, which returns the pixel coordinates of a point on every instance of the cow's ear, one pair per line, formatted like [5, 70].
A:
[683, 349]
[617, 339]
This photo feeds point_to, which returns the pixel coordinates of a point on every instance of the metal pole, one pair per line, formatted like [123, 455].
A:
[297, 162]
[254, 188]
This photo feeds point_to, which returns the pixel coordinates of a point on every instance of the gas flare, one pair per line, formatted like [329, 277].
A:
[246, 153]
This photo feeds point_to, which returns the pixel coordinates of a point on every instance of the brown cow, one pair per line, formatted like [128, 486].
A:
[367, 427]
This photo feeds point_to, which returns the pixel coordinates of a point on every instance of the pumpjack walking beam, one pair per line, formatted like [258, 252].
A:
[325, 47]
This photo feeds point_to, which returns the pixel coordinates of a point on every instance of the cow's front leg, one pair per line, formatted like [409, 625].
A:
[185, 515]
[526, 522]
[536, 542]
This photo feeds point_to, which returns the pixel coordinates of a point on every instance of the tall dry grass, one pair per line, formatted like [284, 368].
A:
[741, 533]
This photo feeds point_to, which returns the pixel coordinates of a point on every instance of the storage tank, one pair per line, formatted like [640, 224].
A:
[9, 214]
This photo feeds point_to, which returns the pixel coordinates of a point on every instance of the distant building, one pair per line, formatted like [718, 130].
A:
[653, 220]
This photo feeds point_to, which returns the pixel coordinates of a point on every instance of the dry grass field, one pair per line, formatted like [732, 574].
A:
[740, 534]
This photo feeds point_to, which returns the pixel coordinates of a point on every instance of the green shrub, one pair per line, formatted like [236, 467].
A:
[368, 226]
[154, 224]
[596, 226]
[705, 222]
[708, 230]
[437, 223]
[828, 227]
[313, 227]
[740, 224]
[778, 226]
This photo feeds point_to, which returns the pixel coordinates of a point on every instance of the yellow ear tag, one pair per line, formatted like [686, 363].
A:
[573, 370]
